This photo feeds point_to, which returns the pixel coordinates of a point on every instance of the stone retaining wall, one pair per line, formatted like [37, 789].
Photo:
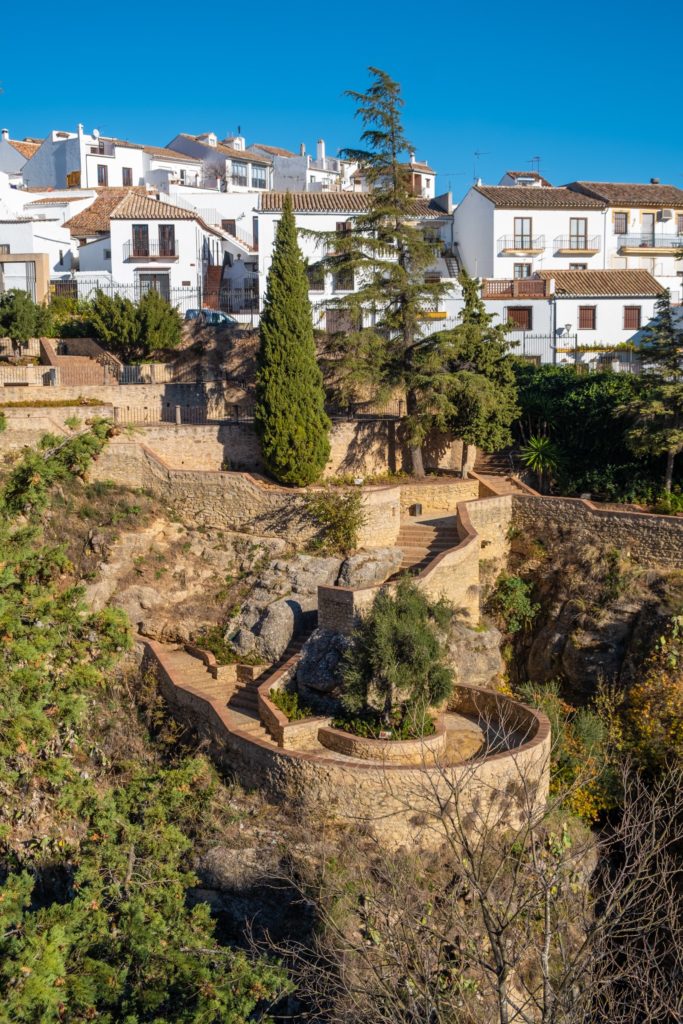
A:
[650, 540]
[401, 804]
[423, 751]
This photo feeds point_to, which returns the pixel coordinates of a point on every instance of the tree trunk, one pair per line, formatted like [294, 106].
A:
[670, 456]
[417, 463]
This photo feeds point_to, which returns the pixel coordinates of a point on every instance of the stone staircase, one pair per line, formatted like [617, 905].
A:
[421, 540]
[497, 471]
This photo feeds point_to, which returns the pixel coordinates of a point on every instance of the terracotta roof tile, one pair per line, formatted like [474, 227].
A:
[595, 283]
[94, 220]
[158, 151]
[624, 194]
[26, 148]
[273, 150]
[335, 202]
[519, 197]
[56, 200]
[138, 206]
[235, 154]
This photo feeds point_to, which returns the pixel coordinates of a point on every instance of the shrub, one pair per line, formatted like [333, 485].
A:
[134, 332]
[338, 517]
[21, 318]
[288, 703]
[160, 323]
[511, 599]
[404, 724]
[396, 663]
[3, 421]
[653, 711]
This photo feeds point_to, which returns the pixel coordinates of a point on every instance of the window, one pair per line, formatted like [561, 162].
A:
[102, 174]
[140, 240]
[166, 240]
[344, 227]
[578, 232]
[587, 318]
[127, 175]
[316, 278]
[521, 317]
[4, 249]
[522, 270]
[632, 318]
[342, 281]
[230, 226]
[648, 228]
[183, 174]
[578, 266]
[522, 233]
[239, 174]
[679, 224]
[337, 320]
[61, 257]
[258, 177]
[620, 223]
[107, 254]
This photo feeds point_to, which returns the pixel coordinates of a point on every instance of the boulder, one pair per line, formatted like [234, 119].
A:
[319, 669]
[474, 654]
[277, 624]
[368, 568]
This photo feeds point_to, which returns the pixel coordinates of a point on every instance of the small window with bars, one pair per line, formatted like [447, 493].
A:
[620, 223]
[316, 278]
[587, 318]
[632, 318]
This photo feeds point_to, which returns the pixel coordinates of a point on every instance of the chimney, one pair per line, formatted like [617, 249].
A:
[654, 181]
[302, 149]
[412, 157]
[5, 134]
[320, 151]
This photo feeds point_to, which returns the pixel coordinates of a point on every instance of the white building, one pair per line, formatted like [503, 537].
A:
[334, 211]
[226, 165]
[302, 172]
[14, 153]
[81, 160]
[564, 315]
[132, 242]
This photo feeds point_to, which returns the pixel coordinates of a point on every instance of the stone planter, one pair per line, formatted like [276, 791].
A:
[424, 750]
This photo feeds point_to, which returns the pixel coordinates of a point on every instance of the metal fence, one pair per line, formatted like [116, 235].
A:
[219, 412]
[77, 288]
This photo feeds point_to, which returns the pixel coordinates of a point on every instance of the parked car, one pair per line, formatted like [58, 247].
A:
[212, 317]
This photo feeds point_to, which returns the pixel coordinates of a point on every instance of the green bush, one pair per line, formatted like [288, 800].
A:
[133, 331]
[3, 421]
[511, 599]
[338, 518]
[287, 701]
[22, 319]
[161, 326]
[404, 724]
[396, 663]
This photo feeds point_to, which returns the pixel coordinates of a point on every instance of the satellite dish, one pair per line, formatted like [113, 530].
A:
[95, 133]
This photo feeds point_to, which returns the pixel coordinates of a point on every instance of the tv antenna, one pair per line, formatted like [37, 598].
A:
[535, 164]
[477, 154]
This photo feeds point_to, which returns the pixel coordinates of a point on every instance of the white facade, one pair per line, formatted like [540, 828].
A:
[306, 173]
[82, 160]
[227, 165]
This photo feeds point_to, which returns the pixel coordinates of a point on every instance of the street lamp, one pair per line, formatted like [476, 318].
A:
[568, 328]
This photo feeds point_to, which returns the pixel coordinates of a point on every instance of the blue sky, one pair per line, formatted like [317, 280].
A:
[595, 91]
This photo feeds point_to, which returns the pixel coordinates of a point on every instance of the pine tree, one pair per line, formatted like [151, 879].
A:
[387, 253]
[290, 409]
[658, 427]
[463, 380]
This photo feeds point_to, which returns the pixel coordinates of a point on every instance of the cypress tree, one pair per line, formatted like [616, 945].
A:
[290, 400]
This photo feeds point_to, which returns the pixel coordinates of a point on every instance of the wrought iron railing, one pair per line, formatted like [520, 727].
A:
[152, 250]
[581, 243]
[650, 240]
[521, 243]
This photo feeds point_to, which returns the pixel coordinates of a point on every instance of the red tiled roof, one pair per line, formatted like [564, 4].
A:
[27, 148]
[594, 283]
[274, 150]
[519, 197]
[335, 202]
[623, 194]
[94, 220]
[235, 154]
[158, 151]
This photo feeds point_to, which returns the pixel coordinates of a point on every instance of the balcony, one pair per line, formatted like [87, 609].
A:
[577, 245]
[650, 242]
[519, 288]
[149, 251]
[517, 245]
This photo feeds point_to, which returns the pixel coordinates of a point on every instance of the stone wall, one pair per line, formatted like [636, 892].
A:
[237, 502]
[437, 494]
[27, 426]
[401, 804]
[650, 540]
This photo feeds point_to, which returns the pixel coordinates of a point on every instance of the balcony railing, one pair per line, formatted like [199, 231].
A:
[519, 288]
[150, 250]
[521, 243]
[577, 243]
[649, 240]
